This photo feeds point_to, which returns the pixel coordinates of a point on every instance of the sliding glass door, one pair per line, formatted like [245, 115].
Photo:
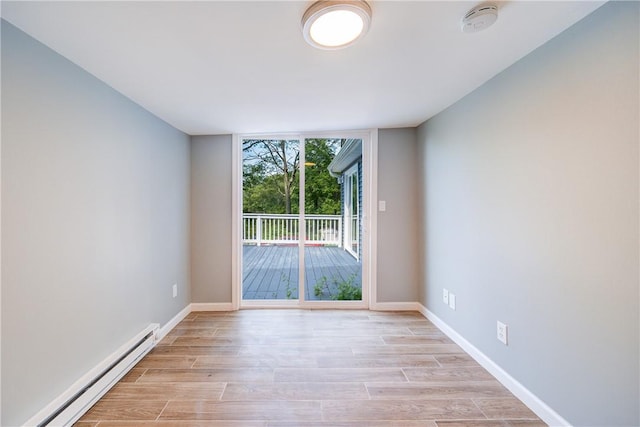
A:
[302, 225]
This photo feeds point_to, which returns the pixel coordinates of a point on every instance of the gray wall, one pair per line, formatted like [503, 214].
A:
[530, 211]
[211, 219]
[95, 223]
[397, 264]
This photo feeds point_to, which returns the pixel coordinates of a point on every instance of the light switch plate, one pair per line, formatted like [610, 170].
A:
[445, 296]
[382, 205]
[452, 301]
[502, 332]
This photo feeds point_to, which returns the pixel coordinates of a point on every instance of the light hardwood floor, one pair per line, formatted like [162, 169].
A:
[308, 368]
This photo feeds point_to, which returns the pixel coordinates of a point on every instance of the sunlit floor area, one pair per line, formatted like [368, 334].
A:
[308, 368]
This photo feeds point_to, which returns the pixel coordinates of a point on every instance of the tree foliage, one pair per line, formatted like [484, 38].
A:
[271, 176]
[322, 191]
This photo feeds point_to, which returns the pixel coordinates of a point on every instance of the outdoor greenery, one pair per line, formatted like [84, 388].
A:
[289, 288]
[344, 289]
[271, 176]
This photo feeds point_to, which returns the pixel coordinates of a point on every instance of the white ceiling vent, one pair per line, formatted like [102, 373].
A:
[479, 18]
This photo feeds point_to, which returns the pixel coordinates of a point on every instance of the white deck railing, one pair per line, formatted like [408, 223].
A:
[276, 229]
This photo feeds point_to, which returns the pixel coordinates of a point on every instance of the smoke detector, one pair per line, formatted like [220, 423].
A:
[479, 18]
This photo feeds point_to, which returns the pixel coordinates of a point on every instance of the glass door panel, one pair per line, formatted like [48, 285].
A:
[270, 219]
[332, 205]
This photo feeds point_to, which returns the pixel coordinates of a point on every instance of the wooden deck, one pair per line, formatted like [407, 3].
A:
[271, 272]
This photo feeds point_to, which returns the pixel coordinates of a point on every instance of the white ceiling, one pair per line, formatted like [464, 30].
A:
[211, 67]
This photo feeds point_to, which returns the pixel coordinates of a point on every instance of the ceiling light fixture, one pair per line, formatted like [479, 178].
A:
[329, 24]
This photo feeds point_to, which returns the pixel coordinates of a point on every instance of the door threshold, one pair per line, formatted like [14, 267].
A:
[305, 305]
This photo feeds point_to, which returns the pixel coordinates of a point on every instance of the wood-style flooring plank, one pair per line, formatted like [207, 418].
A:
[425, 330]
[191, 332]
[392, 361]
[471, 373]
[171, 350]
[417, 339]
[317, 375]
[167, 340]
[133, 375]
[294, 350]
[450, 390]
[260, 331]
[249, 410]
[382, 350]
[453, 360]
[336, 331]
[295, 391]
[207, 375]
[262, 361]
[167, 391]
[114, 409]
[168, 362]
[504, 408]
[377, 410]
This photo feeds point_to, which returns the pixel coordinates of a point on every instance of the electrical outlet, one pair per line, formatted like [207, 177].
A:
[445, 296]
[502, 332]
[452, 301]
[175, 290]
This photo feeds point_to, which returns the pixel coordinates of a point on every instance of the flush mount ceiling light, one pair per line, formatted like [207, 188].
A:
[329, 24]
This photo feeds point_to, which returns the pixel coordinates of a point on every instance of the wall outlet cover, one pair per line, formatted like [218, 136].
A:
[452, 301]
[175, 290]
[502, 332]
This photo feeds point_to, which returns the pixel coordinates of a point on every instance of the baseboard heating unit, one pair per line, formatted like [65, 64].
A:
[73, 403]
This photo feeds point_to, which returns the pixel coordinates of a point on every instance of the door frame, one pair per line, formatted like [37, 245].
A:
[369, 221]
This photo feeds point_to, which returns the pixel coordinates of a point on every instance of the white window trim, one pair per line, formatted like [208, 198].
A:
[348, 231]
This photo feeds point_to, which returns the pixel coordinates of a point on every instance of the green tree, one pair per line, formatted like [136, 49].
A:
[268, 162]
[322, 191]
[271, 179]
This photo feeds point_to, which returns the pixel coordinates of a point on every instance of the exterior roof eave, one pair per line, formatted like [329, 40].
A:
[350, 152]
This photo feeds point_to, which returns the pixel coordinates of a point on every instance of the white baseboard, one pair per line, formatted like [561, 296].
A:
[173, 322]
[85, 400]
[541, 409]
[395, 306]
[211, 306]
